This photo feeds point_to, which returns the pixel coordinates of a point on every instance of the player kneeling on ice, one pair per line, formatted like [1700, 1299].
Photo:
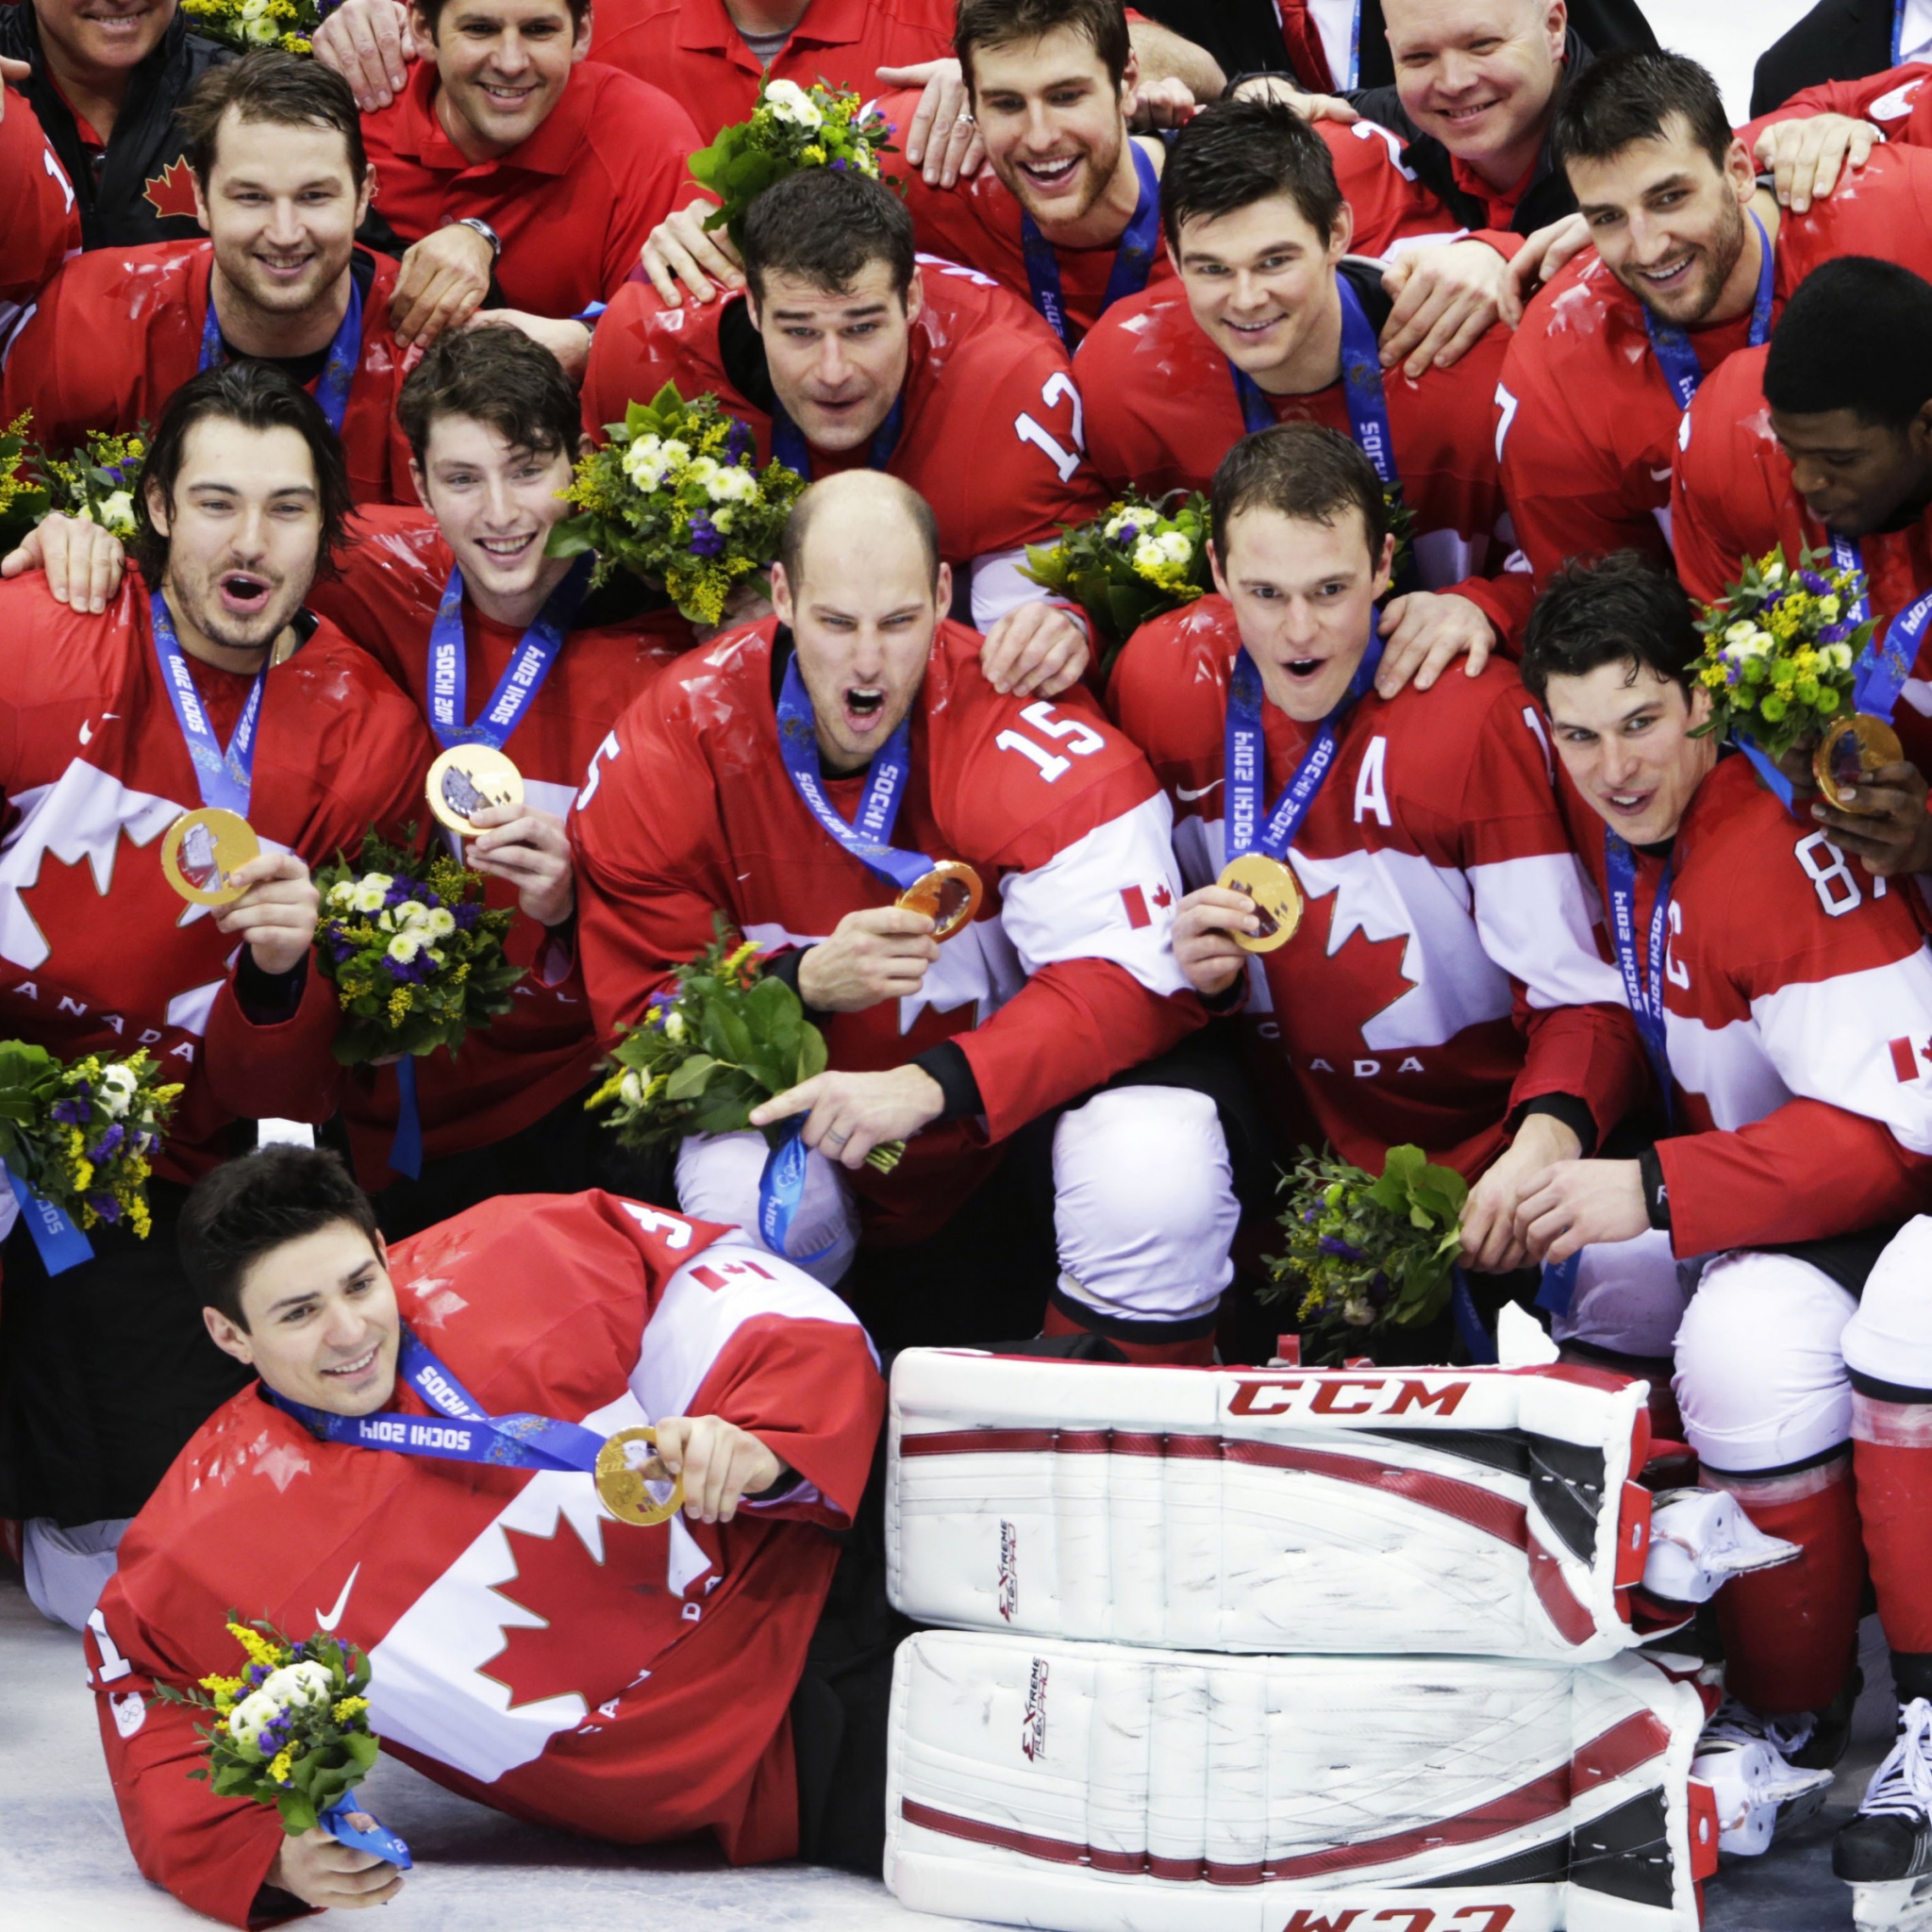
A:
[450, 1432]
[970, 893]
[1786, 998]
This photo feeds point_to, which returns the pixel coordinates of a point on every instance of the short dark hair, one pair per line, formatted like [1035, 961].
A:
[1621, 608]
[432, 11]
[258, 395]
[1001, 22]
[1235, 153]
[1856, 334]
[1303, 469]
[253, 1204]
[499, 376]
[1626, 97]
[798, 529]
[271, 86]
[829, 227]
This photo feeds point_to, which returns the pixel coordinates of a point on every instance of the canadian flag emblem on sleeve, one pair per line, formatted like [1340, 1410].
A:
[1904, 1059]
[1138, 899]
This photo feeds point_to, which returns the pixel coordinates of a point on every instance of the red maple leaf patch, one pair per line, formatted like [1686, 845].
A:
[603, 1622]
[171, 191]
[1369, 970]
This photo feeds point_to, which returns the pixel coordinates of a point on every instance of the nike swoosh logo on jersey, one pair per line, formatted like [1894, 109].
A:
[1188, 797]
[86, 729]
[1662, 475]
[335, 1616]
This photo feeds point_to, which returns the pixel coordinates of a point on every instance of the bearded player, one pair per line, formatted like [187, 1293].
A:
[1694, 262]
[1440, 983]
[527, 1649]
[240, 501]
[731, 789]
[1787, 1002]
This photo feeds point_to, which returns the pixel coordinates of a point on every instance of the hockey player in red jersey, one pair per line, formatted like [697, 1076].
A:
[39, 225]
[281, 182]
[526, 1649]
[105, 1374]
[845, 350]
[1269, 322]
[727, 790]
[1442, 985]
[1786, 1000]
[1694, 264]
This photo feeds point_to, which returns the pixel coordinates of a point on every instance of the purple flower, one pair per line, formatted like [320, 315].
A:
[72, 1113]
[1814, 583]
[1311, 1217]
[108, 1144]
[466, 915]
[706, 540]
[838, 167]
[1330, 1245]
[1731, 673]
[106, 1206]
[1127, 536]
[739, 442]
[1835, 633]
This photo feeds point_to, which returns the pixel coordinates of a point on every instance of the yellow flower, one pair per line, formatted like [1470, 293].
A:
[347, 1708]
[260, 1651]
[226, 1690]
[278, 1770]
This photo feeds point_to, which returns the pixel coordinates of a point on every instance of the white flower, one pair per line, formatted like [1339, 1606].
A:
[1119, 521]
[246, 1719]
[732, 484]
[385, 922]
[262, 33]
[297, 1685]
[118, 1087]
[701, 470]
[255, 10]
[343, 894]
[789, 101]
[117, 513]
[436, 954]
[1828, 607]
[648, 461]
[404, 948]
[1838, 656]
[674, 1025]
[722, 518]
[1175, 547]
[413, 912]
[440, 920]
[868, 162]
[1775, 573]
[1739, 633]
[367, 897]
[630, 1088]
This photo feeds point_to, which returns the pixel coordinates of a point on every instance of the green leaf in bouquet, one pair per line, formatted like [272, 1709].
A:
[726, 1104]
[298, 1813]
[725, 1034]
[687, 1082]
[573, 536]
[813, 1055]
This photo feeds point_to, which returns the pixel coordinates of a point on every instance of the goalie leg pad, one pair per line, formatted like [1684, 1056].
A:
[1086, 1786]
[718, 1180]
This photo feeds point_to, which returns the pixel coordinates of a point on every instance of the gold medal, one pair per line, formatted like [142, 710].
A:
[949, 895]
[629, 1473]
[1276, 898]
[1851, 750]
[468, 778]
[202, 849]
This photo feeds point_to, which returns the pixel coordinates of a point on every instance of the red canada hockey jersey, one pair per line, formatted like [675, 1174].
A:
[692, 49]
[1067, 975]
[992, 436]
[515, 1070]
[39, 225]
[573, 204]
[1587, 424]
[1798, 1018]
[1162, 412]
[1445, 970]
[119, 330]
[527, 1650]
[97, 951]
[1732, 497]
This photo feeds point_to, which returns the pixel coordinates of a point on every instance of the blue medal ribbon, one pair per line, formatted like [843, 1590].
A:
[1898, 29]
[223, 773]
[378, 1839]
[1671, 344]
[1480, 1343]
[1889, 655]
[790, 449]
[61, 1244]
[1133, 260]
[516, 689]
[339, 366]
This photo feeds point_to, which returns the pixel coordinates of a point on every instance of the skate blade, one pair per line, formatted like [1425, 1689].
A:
[1903, 1904]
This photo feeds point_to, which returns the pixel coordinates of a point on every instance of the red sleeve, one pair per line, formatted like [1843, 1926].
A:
[1894, 91]
[70, 365]
[39, 225]
[652, 179]
[1505, 599]
[1722, 508]
[625, 366]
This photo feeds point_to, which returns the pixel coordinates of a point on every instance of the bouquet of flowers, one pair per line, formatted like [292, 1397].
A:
[416, 957]
[22, 493]
[1369, 1253]
[245, 25]
[94, 482]
[703, 1058]
[1134, 563]
[1779, 648]
[677, 496]
[79, 1133]
[790, 129]
[291, 1730]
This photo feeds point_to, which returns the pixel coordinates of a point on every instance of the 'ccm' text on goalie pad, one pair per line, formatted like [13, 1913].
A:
[1482, 1512]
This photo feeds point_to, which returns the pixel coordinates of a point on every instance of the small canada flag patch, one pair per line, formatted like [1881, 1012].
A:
[1905, 1059]
[171, 191]
[1138, 899]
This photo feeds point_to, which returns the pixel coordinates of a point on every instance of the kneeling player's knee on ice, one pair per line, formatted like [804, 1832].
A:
[718, 1180]
[1760, 1371]
[1889, 1338]
[1144, 1202]
[1629, 1297]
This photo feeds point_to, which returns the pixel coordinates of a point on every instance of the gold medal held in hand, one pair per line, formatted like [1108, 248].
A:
[202, 850]
[629, 1476]
[949, 895]
[1851, 750]
[468, 778]
[1277, 899]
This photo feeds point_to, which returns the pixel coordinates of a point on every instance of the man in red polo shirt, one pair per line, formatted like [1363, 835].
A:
[282, 181]
[1693, 261]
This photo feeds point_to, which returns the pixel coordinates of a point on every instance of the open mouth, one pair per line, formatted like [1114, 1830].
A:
[865, 706]
[1669, 278]
[243, 593]
[508, 98]
[1251, 331]
[117, 24]
[506, 549]
[1627, 804]
[349, 1372]
[1467, 116]
[1306, 670]
[1050, 174]
[285, 268]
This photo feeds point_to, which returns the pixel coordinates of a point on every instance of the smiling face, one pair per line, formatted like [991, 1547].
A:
[1623, 734]
[1669, 222]
[1260, 281]
[321, 1326]
[281, 206]
[1478, 74]
[1857, 477]
[496, 506]
[243, 530]
[838, 357]
[502, 66]
[1054, 125]
[1303, 594]
[103, 36]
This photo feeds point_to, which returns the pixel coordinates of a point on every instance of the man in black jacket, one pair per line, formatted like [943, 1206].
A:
[106, 78]
[1838, 40]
